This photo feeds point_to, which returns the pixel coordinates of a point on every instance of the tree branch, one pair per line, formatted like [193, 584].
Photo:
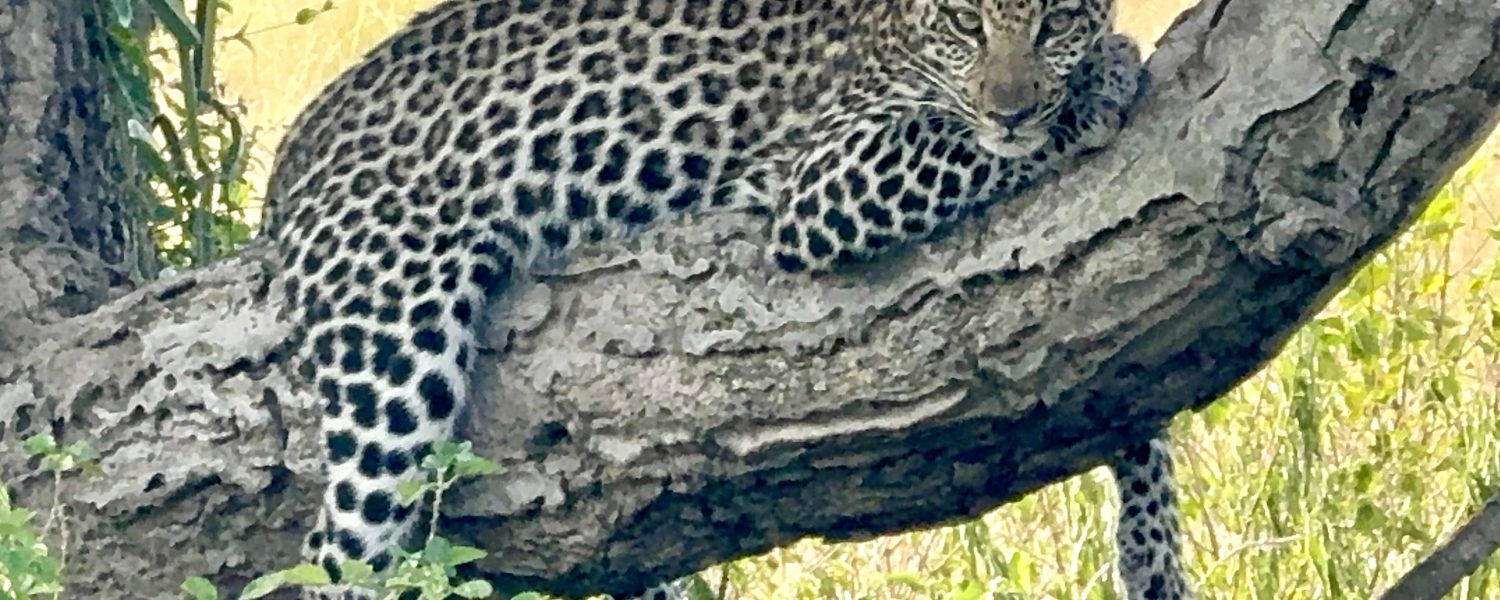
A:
[666, 403]
[1461, 555]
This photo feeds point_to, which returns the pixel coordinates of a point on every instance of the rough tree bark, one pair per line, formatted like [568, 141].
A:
[665, 403]
[67, 242]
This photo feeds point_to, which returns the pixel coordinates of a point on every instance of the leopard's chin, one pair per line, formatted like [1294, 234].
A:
[1009, 143]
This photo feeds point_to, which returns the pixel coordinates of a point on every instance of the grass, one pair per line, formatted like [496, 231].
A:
[1327, 475]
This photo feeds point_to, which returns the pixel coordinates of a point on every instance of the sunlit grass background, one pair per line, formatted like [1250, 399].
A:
[1327, 475]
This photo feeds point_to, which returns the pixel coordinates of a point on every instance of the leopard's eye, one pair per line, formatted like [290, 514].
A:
[966, 22]
[1056, 24]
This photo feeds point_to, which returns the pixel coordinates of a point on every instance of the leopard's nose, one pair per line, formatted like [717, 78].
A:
[1014, 119]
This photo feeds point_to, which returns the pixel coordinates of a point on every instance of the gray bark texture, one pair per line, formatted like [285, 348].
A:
[666, 403]
[67, 241]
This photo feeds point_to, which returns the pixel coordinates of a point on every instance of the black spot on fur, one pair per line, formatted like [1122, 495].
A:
[841, 225]
[640, 214]
[398, 418]
[438, 395]
[329, 389]
[341, 446]
[344, 496]
[653, 175]
[376, 508]
[331, 566]
[424, 312]
[556, 235]
[818, 244]
[380, 561]
[371, 459]
[364, 399]
[911, 203]
[788, 236]
[400, 369]
[790, 263]
[397, 462]
[431, 341]
[876, 214]
[351, 545]
[580, 204]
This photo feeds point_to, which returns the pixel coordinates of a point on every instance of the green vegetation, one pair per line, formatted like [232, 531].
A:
[28, 567]
[430, 572]
[187, 142]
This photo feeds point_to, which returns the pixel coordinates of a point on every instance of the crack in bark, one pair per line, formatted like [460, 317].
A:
[1346, 20]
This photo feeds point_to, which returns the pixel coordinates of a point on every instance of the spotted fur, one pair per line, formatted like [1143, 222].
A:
[1147, 537]
[489, 135]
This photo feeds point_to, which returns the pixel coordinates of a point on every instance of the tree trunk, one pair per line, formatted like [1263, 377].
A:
[667, 403]
[68, 241]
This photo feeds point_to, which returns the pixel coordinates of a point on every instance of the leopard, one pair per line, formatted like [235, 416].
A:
[488, 137]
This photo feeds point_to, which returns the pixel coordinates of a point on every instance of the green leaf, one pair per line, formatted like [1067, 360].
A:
[305, 574]
[410, 491]
[59, 462]
[16, 517]
[527, 596]
[458, 555]
[1368, 518]
[445, 454]
[474, 589]
[132, 71]
[139, 132]
[124, 12]
[437, 551]
[912, 580]
[262, 586]
[41, 443]
[1365, 342]
[1364, 476]
[174, 16]
[200, 589]
[306, 15]
[82, 451]
[356, 572]
[973, 591]
[474, 466]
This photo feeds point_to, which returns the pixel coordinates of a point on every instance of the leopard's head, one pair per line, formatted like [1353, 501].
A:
[1002, 66]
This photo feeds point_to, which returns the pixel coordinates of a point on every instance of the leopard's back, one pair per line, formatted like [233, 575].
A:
[607, 113]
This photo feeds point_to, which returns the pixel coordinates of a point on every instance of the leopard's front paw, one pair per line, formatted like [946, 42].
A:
[1104, 92]
[1118, 69]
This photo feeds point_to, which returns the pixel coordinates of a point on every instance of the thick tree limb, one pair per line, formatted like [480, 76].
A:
[667, 404]
[1464, 552]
